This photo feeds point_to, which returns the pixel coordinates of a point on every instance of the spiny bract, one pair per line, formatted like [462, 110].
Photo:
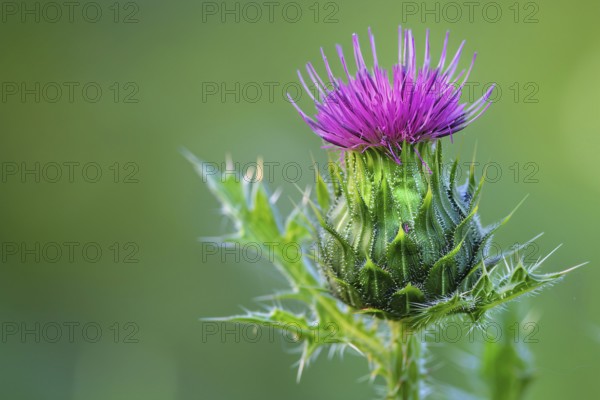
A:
[405, 240]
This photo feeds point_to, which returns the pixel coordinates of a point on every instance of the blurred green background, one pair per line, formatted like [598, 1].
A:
[119, 88]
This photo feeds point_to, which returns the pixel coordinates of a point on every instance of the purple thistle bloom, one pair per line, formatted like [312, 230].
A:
[369, 111]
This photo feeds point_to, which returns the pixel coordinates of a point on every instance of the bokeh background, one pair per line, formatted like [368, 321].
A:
[119, 88]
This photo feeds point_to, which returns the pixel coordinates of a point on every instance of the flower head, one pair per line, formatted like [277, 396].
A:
[369, 111]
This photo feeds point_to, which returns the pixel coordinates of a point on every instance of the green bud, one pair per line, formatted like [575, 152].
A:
[404, 240]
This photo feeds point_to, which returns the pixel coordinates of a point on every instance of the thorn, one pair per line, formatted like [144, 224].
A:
[259, 169]
[301, 366]
[474, 155]
[539, 263]
[352, 346]
[305, 195]
[506, 264]
[539, 235]
[515, 209]
[275, 196]
[566, 271]
[483, 267]
[249, 174]
[218, 239]
[189, 156]
[312, 157]
[229, 162]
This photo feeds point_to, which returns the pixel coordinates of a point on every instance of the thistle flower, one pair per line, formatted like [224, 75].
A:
[400, 238]
[367, 111]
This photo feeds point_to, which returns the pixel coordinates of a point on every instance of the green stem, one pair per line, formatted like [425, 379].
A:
[407, 372]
